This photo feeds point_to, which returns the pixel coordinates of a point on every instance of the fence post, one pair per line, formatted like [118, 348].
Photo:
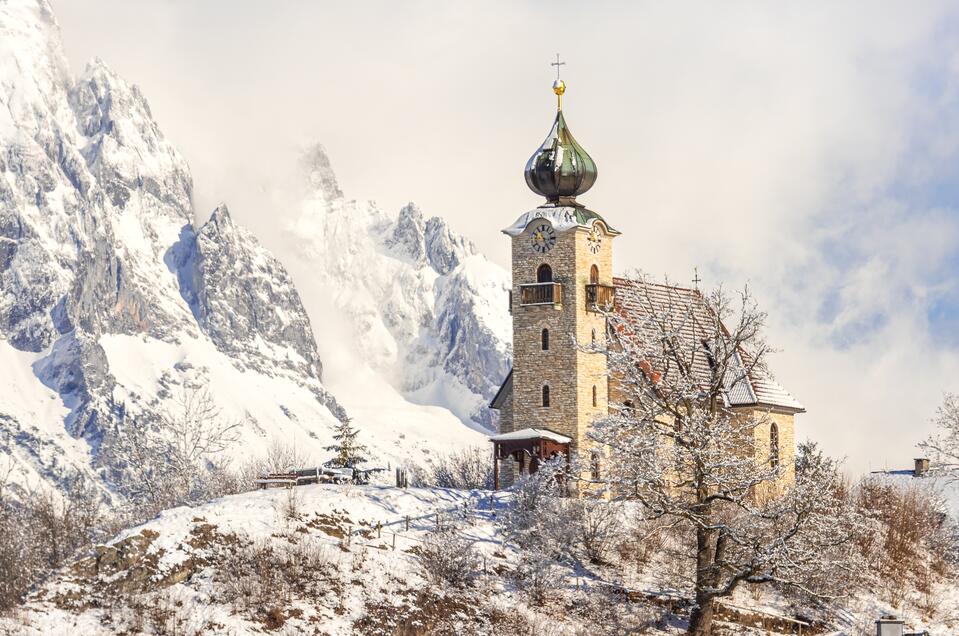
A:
[379, 528]
[407, 523]
[394, 542]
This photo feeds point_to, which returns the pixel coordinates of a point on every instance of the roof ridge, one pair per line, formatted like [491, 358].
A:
[654, 284]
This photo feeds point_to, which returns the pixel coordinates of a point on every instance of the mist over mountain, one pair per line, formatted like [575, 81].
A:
[113, 301]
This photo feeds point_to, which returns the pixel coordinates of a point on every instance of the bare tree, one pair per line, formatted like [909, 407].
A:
[674, 443]
[174, 458]
[943, 445]
[196, 425]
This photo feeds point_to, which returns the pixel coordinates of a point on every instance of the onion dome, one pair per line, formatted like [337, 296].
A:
[560, 169]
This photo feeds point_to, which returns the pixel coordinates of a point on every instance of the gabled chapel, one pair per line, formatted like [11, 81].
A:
[563, 289]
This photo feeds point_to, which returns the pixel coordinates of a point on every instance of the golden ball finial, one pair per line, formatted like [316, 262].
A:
[559, 87]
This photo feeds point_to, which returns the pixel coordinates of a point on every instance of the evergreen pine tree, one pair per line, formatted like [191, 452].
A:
[349, 452]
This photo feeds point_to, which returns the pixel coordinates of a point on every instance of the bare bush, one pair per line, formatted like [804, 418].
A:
[536, 574]
[259, 575]
[599, 524]
[291, 505]
[41, 532]
[466, 469]
[448, 557]
[914, 534]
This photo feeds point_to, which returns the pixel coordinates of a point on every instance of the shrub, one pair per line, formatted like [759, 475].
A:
[446, 556]
[467, 469]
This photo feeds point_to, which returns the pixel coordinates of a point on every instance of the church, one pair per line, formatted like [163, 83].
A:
[563, 291]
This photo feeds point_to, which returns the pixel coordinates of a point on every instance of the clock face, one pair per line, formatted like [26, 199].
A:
[594, 240]
[543, 238]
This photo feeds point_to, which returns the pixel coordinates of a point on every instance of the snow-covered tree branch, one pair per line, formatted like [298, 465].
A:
[675, 442]
[943, 445]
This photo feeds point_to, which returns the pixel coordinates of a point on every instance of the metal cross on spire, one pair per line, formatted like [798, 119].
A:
[557, 64]
[696, 279]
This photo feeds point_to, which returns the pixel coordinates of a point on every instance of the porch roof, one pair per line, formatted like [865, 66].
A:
[532, 433]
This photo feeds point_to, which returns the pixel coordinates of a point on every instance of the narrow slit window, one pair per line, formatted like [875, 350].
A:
[774, 446]
[545, 339]
[546, 395]
[594, 467]
[594, 395]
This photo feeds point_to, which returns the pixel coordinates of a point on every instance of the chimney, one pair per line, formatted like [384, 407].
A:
[889, 625]
[921, 466]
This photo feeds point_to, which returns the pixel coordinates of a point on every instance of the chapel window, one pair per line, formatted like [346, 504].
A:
[594, 275]
[544, 274]
[546, 395]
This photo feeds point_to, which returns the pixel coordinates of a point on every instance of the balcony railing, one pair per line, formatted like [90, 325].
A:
[541, 294]
[600, 297]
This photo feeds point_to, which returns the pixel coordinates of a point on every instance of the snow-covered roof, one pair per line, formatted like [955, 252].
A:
[561, 217]
[746, 385]
[532, 433]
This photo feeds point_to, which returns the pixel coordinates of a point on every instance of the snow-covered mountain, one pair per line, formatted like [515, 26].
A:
[112, 300]
[412, 300]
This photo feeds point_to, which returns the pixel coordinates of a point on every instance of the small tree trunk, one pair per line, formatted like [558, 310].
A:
[701, 620]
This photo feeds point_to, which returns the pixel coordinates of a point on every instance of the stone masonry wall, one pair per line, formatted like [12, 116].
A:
[569, 372]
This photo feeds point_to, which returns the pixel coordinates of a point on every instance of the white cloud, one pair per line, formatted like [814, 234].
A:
[807, 148]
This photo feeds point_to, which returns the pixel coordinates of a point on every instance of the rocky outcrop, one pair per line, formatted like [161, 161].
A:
[242, 295]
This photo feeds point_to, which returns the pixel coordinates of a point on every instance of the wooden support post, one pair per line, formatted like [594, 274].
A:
[495, 466]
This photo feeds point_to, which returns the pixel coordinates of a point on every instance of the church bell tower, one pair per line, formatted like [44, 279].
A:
[562, 266]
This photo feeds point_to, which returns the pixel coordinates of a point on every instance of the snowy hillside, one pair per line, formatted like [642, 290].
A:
[341, 560]
[113, 304]
[402, 296]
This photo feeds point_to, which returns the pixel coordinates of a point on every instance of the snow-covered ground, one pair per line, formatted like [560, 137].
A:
[340, 560]
[361, 573]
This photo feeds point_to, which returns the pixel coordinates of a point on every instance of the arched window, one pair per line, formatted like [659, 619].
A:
[594, 395]
[594, 275]
[545, 339]
[594, 465]
[544, 274]
[628, 408]
[774, 446]
[546, 395]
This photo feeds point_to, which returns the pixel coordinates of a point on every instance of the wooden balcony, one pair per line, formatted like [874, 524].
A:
[600, 297]
[541, 294]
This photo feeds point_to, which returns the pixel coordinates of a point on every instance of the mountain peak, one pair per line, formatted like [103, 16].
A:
[221, 216]
[320, 176]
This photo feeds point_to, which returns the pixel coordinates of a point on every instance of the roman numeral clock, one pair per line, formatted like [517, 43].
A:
[543, 238]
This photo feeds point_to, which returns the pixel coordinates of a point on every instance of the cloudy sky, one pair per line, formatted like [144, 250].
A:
[810, 150]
